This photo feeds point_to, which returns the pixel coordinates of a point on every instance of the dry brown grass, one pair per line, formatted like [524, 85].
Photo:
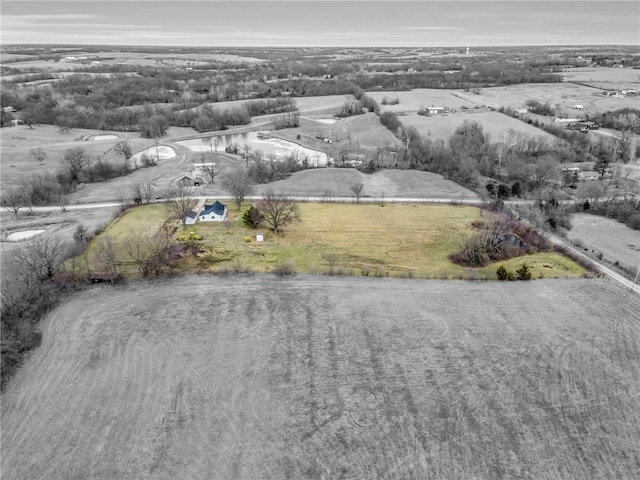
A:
[614, 240]
[267, 377]
[495, 124]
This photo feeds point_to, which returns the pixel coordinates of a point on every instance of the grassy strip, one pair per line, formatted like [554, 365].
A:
[398, 240]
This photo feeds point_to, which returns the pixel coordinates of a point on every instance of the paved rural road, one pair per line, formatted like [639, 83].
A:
[598, 265]
[466, 201]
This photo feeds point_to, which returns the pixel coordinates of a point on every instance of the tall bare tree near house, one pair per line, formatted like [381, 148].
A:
[142, 192]
[357, 189]
[181, 200]
[38, 154]
[209, 168]
[149, 251]
[238, 183]
[278, 210]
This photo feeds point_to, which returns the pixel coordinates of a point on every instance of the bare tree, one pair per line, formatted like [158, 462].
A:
[149, 251]
[14, 199]
[278, 210]
[286, 120]
[272, 161]
[357, 189]
[62, 199]
[238, 184]
[38, 154]
[246, 154]
[42, 256]
[106, 254]
[209, 168]
[76, 160]
[147, 191]
[181, 200]
[544, 172]
[136, 190]
[123, 148]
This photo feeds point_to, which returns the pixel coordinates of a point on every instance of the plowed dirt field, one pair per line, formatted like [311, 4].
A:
[264, 377]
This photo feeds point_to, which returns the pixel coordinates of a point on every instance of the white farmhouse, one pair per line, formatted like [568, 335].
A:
[216, 212]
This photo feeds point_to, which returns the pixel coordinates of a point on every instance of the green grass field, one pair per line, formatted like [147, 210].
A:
[397, 240]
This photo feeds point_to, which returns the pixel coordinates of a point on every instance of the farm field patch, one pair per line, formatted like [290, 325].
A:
[564, 95]
[17, 142]
[357, 133]
[266, 377]
[389, 183]
[495, 124]
[616, 241]
[392, 240]
[413, 100]
[608, 78]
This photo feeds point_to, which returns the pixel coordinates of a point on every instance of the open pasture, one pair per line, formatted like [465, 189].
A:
[350, 134]
[17, 142]
[310, 377]
[565, 95]
[383, 183]
[400, 240]
[413, 100]
[616, 241]
[608, 78]
[320, 105]
[495, 124]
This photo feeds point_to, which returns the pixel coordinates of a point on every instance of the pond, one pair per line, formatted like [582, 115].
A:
[23, 235]
[257, 141]
[104, 137]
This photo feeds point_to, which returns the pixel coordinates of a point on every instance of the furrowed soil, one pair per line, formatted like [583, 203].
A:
[264, 377]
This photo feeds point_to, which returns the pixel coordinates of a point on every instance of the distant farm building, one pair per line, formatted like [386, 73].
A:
[579, 107]
[589, 176]
[435, 110]
[584, 127]
[216, 212]
[190, 181]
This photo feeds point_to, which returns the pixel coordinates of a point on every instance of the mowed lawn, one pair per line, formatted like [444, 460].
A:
[317, 377]
[400, 240]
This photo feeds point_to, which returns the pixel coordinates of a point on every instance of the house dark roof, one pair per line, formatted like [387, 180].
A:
[191, 214]
[216, 207]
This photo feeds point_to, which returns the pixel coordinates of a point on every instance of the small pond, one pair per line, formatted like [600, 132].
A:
[104, 137]
[257, 141]
[23, 235]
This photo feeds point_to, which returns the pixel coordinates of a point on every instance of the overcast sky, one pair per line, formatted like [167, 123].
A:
[423, 23]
